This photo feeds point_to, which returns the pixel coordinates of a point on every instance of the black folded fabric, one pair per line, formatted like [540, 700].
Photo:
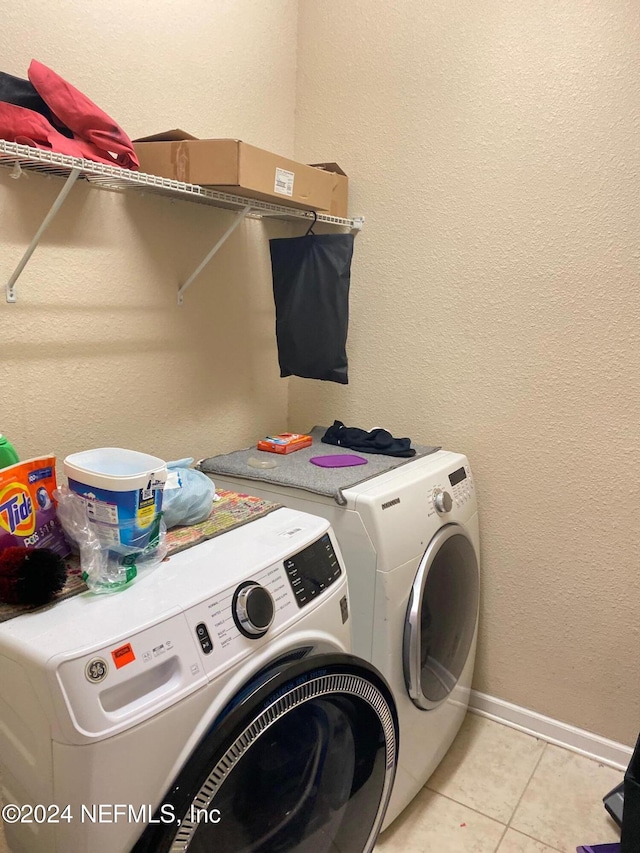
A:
[22, 93]
[373, 441]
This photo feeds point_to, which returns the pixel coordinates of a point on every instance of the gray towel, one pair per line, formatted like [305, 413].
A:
[294, 469]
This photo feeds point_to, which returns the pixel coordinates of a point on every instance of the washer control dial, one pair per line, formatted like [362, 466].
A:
[253, 609]
[442, 501]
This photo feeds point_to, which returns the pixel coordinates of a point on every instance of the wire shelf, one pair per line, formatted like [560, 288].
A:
[104, 176]
[12, 154]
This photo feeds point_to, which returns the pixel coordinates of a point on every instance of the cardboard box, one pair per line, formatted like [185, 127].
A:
[233, 166]
[340, 193]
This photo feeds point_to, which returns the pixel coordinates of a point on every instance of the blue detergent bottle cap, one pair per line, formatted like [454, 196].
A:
[8, 455]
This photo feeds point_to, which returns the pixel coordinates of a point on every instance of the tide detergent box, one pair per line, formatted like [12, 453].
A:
[27, 509]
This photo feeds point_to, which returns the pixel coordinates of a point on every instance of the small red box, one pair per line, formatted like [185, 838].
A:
[285, 442]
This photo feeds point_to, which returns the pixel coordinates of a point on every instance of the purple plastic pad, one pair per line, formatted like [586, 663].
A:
[344, 460]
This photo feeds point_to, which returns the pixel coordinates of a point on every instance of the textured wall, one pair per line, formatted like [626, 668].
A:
[494, 150]
[96, 351]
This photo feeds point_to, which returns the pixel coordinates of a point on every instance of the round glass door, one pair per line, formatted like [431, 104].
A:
[441, 617]
[303, 764]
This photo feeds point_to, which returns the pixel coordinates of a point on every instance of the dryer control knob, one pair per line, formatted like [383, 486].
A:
[253, 609]
[442, 501]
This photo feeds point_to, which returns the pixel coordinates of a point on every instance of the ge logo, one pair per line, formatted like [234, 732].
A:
[96, 670]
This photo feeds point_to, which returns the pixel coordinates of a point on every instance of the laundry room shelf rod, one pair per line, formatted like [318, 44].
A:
[25, 158]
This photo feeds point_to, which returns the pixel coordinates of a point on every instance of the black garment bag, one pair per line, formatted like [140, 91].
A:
[311, 277]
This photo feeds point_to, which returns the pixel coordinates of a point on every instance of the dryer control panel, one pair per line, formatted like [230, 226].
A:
[461, 484]
[454, 488]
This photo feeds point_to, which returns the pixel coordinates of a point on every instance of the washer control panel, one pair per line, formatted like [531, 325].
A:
[312, 570]
[204, 639]
[226, 624]
[253, 609]
[232, 623]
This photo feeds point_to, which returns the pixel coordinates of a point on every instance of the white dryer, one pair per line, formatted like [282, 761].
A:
[410, 541]
[213, 705]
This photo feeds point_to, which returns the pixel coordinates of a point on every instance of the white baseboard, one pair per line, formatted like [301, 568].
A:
[553, 731]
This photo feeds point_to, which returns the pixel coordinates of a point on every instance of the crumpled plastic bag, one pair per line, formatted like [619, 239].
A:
[188, 494]
[106, 567]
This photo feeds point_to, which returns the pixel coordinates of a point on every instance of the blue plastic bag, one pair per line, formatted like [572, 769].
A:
[188, 494]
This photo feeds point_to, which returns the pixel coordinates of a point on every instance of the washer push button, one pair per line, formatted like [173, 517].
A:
[205, 639]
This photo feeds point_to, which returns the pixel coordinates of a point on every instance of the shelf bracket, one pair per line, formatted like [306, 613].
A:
[240, 215]
[55, 207]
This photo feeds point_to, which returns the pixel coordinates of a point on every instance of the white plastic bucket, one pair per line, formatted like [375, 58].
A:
[122, 490]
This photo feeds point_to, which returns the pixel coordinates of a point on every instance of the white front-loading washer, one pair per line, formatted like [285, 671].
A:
[213, 705]
[410, 540]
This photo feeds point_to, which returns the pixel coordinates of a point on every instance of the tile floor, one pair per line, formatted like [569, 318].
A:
[501, 791]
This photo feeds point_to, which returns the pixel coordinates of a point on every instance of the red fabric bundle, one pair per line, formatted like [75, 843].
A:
[96, 136]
